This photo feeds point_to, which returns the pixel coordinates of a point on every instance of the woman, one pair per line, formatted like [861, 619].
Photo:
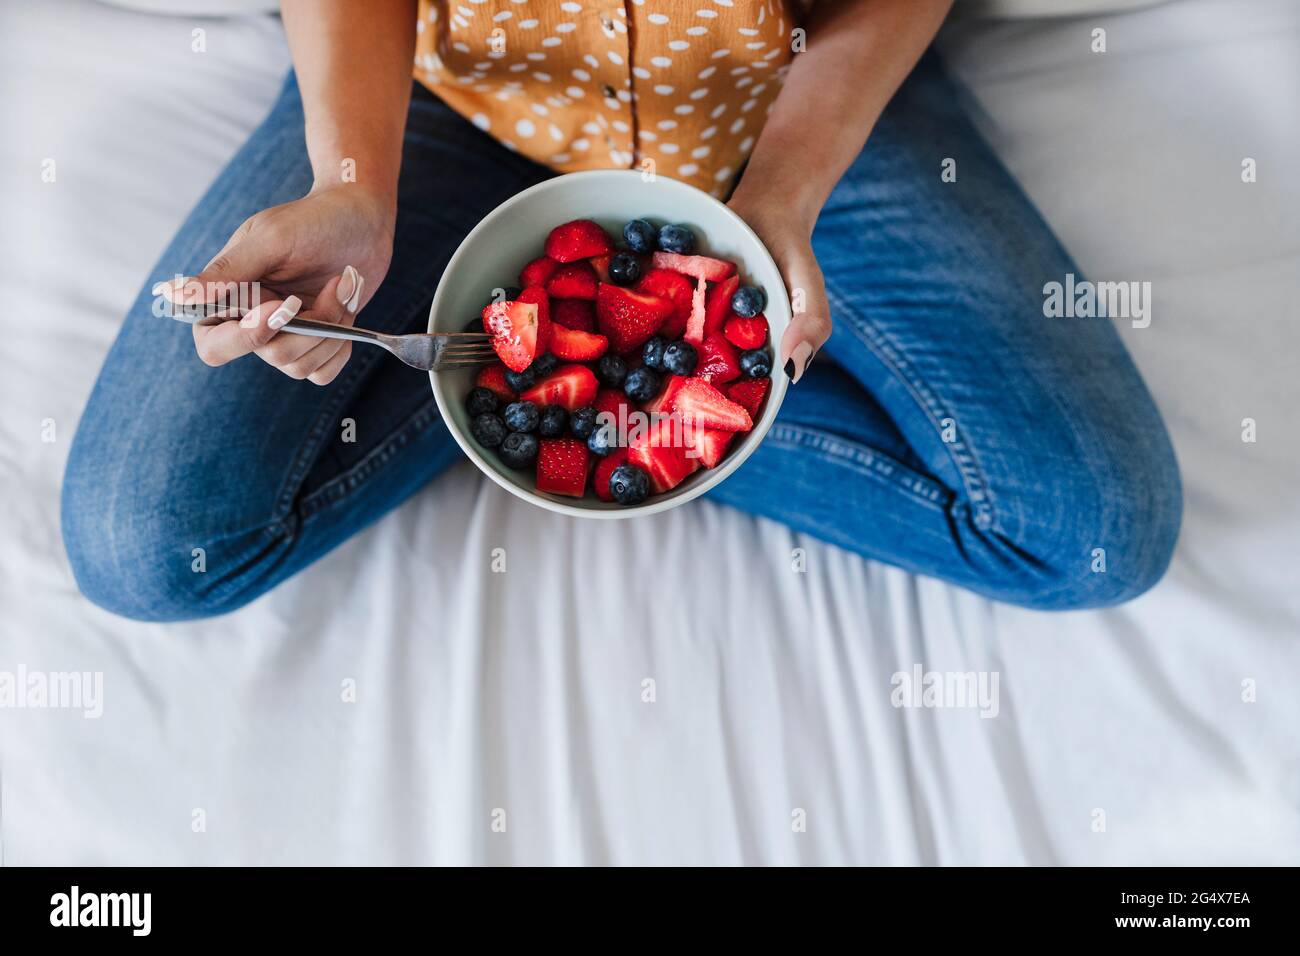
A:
[947, 426]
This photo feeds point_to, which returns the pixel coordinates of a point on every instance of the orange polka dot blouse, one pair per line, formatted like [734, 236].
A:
[600, 84]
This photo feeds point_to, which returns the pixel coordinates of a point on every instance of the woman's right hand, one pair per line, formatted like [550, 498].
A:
[329, 250]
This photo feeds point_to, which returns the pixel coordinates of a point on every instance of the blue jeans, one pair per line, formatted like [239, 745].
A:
[947, 427]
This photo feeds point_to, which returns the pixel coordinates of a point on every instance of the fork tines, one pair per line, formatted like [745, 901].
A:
[465, 350]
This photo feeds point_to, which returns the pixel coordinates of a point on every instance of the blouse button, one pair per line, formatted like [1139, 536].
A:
[608, 91]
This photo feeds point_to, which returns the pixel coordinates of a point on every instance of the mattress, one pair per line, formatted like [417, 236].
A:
[399, 703]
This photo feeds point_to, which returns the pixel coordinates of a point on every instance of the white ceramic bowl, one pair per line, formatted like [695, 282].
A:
[511, 235]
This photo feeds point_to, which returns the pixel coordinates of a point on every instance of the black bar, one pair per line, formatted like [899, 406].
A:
[335, 906]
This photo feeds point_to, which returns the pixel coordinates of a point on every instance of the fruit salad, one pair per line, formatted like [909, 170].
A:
[623, 370]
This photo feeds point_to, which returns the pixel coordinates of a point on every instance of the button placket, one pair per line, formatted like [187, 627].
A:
[614, 77]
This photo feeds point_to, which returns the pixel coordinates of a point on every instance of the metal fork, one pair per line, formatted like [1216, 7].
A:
[429, 352]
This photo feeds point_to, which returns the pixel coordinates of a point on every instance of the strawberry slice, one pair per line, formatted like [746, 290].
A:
[538, 297]
[698, 401]
[576, 280]
[661, 403]
[493, 378]
[614, 401]
[601, 265]
[537, 271]
[570, 386]
[663, 457]
[717, 305]
[580, 239]
[749, 394]
[746, 333]
[604, 468]
[719, 361]
[629, 318]
[519, 329]
[562, 466]
[697, 267]
[710, 445]
[577, 314]
[695, 324]
[575, 346]
[677, 289]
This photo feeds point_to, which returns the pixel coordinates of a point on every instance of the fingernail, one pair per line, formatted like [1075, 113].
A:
[347, 286]
[798, 362]
[283, 314]
[354, 303]
[173, 284]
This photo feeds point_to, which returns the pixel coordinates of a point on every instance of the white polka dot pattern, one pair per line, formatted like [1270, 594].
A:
[590, 85]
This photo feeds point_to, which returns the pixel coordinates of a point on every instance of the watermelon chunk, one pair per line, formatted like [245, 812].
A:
[697, 267]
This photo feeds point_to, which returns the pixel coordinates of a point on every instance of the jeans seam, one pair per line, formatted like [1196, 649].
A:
[235, 583]
[312, 442]
[340, 486]
[863, 459]
[893, 356]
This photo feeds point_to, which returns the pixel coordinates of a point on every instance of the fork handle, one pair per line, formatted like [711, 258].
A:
[327, 330]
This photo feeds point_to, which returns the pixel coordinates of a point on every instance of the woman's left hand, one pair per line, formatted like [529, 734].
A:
[832, 95]
[791, 248]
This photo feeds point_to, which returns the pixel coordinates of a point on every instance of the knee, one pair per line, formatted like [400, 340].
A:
[130, 556]
[1115, 532]
[1143, 546]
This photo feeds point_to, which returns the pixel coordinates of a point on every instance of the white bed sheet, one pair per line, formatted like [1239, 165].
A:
[523, 691]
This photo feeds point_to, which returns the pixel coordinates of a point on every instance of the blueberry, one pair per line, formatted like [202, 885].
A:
[629, 485]
[518, 450]
[640, 236]
[624, 269]
[544, 365]
[748, 300]
[521, 381]
[481, 401]
[475, 325]
[488, 430]
[652, 353]
[611, 370]
[552, 422]
[603, 439]
[680, 358]
[521, 416]
[582, 421]
[641, 385]
[677, 238]
[756, 363]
